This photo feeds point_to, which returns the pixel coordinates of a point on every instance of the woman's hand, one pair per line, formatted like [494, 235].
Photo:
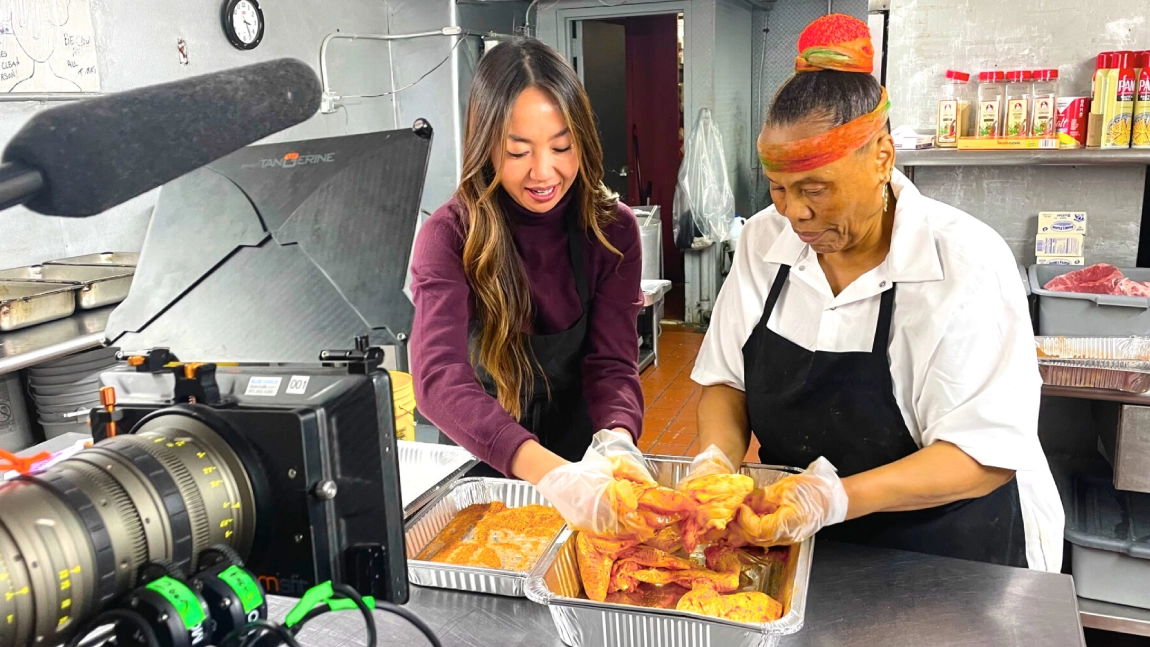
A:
[805, 503]
[587, 493]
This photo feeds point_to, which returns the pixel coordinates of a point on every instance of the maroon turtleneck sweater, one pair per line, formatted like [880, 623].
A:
[446, 389]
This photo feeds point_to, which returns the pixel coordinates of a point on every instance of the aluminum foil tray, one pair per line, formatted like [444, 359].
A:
[425, 469]
[427, 523]
[1094, 378]
[555, 582]
[1112, 348]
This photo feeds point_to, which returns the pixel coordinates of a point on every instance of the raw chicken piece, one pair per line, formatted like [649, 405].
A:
[750, 519]
[723, 582]
[724, 559]
[669, 539]
[718, 497]
[748, 606]
[594, 567]
[650, 596]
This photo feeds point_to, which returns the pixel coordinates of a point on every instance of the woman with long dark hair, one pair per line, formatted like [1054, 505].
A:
[526, 284]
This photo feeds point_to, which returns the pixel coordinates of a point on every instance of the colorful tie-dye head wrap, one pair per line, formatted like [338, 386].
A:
[840, 43]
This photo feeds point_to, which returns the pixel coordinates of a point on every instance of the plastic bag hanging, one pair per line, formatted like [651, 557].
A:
[703, 193]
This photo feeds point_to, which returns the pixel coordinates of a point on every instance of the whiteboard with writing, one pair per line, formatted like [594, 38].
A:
[47, 46]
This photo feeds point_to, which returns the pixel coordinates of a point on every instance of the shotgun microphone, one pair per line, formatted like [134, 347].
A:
[80, 159]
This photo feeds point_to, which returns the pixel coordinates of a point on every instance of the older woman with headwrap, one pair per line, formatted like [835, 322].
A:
[879, 336]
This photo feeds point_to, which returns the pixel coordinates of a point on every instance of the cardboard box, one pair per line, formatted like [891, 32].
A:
[1094, 130]
[1006, 144]
[1058, 244]
[1073, 261]
[1068, 222]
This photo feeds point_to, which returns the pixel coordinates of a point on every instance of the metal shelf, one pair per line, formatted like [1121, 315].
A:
[1096, 394]
[23, 348]
[1114, 617]
[1075, 157]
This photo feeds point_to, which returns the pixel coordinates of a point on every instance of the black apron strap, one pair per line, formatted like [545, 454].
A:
[882, 330]
[575, 252]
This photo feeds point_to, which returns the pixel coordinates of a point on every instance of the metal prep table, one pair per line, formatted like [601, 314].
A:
[858, 596]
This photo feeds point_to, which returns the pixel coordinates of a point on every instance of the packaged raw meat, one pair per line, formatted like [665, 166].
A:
[1132, 288]
[1096, 279]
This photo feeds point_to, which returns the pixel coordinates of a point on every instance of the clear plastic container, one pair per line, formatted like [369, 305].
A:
[1019, 88]
[1044, 104]
[991, 104]
[953, 109]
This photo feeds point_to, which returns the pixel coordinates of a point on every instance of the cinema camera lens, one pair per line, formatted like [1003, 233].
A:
[74, 537]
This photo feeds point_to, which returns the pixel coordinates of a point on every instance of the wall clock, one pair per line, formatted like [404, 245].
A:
[243, 23]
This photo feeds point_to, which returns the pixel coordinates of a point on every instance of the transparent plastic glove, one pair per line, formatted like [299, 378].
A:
[806, 502]
[709, 462]
[626, 460]
[599, 494]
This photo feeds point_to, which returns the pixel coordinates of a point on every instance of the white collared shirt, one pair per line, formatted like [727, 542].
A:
[961, 353]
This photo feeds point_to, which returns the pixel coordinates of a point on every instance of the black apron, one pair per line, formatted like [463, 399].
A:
[803, 404]
[559, 417]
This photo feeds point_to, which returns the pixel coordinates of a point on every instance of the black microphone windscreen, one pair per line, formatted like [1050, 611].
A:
[97, 153]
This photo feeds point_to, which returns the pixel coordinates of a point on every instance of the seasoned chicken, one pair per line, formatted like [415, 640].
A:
[718, 498]
[747, 606]
[492, 535]
[650, 596]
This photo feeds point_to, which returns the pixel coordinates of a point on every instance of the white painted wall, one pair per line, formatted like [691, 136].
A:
[136, 46]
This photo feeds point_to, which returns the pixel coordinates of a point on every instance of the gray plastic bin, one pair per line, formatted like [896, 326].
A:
[1089, 315]
[1031, 300]
[1109, 532]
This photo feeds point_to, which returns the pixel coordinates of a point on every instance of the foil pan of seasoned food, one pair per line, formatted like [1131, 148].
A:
[426, 468]
[1094, 348]
[671, 614]
[1092, 377]
[481, 535]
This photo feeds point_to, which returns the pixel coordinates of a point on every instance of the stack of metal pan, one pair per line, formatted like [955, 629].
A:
[65, 390]
[35, 294]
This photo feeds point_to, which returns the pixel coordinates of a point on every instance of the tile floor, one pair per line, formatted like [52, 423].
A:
[669, 426]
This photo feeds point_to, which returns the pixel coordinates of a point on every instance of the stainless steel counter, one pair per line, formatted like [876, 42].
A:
[858, 596]
[28, 347]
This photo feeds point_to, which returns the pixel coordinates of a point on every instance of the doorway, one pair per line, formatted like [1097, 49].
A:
[633, 70]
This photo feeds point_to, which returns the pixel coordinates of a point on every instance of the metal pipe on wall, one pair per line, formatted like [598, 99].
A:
[328, 104]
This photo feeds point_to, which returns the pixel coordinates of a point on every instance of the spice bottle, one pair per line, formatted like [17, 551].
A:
[953, 109]
[1044, 104]
[1100, 65]
[1140, 130]
[1018, 87]
[1119, 109]
[991, 103]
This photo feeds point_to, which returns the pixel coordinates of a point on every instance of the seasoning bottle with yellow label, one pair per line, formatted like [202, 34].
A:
[1140, 130]
[1018, 90]
[1118, 112]
[953, 110]
[991, 104]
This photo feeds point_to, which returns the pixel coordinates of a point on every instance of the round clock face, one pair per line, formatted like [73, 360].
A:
[246, 21]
